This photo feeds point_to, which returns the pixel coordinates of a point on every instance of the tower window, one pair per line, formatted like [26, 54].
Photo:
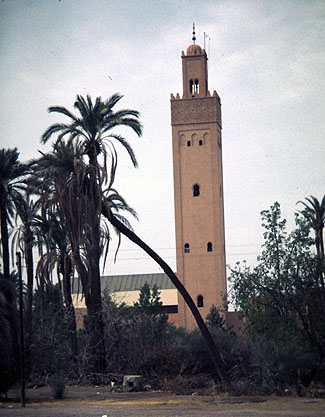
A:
[199, 300]
[188, 143]
[200, 142]
[196, 87]
[187, 248]
[191, 87]
[209, 247]
[196, 190]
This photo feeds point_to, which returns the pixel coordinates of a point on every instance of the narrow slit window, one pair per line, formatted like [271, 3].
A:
[209, 247]
[199, 300]
[188, 143]
[187, 248]
[196, 190]
[200, 142]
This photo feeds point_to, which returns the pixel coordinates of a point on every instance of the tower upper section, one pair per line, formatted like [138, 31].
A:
[195, 72]
[197, 104]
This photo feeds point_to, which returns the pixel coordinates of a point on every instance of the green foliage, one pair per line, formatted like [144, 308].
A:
[9, 352]
[51, 352]
[149, 300]
[57, 383]
[12, 173]
[215, 319]
[135, 336]
[282, 299]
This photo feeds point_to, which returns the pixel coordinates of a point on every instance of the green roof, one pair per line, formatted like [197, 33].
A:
[132, 282]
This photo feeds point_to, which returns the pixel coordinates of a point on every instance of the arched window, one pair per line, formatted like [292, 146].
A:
[187, 248]
[209, 247]
[196, 87]
[191, 87]
[200, 142]
[188, 143]
[196, 190]
[199, 300]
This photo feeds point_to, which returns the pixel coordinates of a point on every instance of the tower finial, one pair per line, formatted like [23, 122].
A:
[193, 38]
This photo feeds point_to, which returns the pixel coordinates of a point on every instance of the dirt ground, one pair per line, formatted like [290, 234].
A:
[100, 401]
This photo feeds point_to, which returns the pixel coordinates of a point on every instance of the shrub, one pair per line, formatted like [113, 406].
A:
[57, 384]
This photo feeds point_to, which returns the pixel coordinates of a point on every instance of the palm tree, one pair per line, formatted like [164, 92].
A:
[93, 130]
[23, 239]
[8, 332]
[315, 212]
[12, 174]
[95, 124]
[52, 232]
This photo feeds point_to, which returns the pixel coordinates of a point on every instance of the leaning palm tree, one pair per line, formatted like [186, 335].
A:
[12, 174]
[219, 364]
[93, 129]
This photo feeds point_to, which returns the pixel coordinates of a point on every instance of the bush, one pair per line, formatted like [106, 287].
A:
[57, 384]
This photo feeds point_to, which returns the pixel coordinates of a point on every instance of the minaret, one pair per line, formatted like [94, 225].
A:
[198, 188]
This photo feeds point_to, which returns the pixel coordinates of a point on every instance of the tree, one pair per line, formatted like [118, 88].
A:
[315, 212]
[149, 299]
[9, 353]
[26, 212]
[53, 234]
[215, 318]
[51, 348]
[282, 300]
[12, 174]
[93, 131]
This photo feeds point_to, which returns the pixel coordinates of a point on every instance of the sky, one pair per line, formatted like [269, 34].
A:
[266, 61]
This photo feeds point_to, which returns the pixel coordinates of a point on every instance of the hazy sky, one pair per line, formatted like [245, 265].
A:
[266, 61]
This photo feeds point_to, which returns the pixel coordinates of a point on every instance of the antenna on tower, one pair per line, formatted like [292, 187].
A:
[193, 38]
[207, 36]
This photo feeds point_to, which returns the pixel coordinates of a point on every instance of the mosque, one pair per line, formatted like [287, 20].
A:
[199, 203]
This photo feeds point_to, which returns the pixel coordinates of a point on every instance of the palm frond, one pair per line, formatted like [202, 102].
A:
[126, 145]
[57, 127]
[62, 110]
[112, 101]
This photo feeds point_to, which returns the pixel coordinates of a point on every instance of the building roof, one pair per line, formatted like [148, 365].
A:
[132, 282]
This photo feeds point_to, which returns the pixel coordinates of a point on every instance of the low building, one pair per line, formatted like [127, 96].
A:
[126, 288]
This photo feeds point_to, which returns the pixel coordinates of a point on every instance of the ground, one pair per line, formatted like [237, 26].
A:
[88, 401]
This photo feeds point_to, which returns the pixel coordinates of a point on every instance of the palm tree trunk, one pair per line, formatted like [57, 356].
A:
[28, 246]
[218, 362]
[96, 323]
[70, 311]
[4, 240]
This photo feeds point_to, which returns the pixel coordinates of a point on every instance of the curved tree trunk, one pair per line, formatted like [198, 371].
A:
[219, 364]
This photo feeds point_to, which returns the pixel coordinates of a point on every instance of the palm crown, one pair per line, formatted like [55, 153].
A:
[95, 123]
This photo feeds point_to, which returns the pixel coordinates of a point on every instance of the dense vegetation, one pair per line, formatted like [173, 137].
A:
[64, 205]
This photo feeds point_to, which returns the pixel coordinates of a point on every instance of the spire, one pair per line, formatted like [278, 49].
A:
[193, 38]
